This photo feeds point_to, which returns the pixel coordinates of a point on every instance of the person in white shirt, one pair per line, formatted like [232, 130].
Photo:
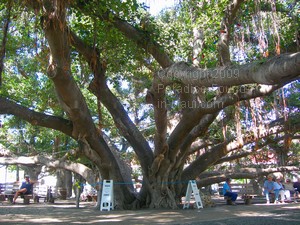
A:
[289, 190]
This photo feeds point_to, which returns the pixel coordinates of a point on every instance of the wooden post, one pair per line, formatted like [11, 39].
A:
[77, 196]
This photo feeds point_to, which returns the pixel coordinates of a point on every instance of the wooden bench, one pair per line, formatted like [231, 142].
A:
[46, 192]
[2, 195]
[8, 190]
[244, 190]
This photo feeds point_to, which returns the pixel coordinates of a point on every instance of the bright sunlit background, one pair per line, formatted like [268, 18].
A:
[155, 6]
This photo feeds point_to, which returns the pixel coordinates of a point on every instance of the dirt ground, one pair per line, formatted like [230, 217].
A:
[65, 212]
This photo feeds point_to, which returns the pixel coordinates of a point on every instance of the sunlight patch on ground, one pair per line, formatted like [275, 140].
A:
[26, 219]
[44, 220]
[253, 214]
[98, 221]
[292, 207]
[67, 206]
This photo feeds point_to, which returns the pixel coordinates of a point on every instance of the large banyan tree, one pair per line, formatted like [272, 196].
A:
[187, 90]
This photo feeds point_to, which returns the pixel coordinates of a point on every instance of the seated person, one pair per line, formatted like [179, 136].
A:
[228, 192]
[296, 186]
[278, 189]
[289, 190]
[269, 188]
[88, 193]
[26, 188]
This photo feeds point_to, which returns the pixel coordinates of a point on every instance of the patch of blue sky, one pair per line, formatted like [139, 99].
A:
[156, 6]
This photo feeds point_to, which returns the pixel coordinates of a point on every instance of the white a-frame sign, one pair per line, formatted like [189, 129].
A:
[107, 198]
[192, 189]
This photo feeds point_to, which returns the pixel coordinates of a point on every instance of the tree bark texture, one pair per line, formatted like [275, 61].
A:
[164, 171]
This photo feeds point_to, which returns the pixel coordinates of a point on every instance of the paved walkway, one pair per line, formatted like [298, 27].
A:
[65, 212]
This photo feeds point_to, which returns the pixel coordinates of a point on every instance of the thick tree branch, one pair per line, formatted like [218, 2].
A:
[279, 69]
[103, 93]
[87, 173]
[234, 157]
[161, 151]
[247, 153]
[156, 97]
[218, 152]
[207, 178]
[208, 158]
[72, 99]
[35, 118]
[140, 37]
[192, 118]
[223, 44]
[196, 132]
[143, 40]
[184, 73]
[4, 39]
[68, 92]
[43, 120]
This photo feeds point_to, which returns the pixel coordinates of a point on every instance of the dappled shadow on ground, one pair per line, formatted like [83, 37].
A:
[65, 212]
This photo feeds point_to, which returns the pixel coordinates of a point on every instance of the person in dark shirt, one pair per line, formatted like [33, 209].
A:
[296, 185]
[26, 188]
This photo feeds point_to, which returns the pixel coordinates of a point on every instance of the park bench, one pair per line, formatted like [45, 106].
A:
[8, 190]
[44, 192]
[2, 195]
[244, 190]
